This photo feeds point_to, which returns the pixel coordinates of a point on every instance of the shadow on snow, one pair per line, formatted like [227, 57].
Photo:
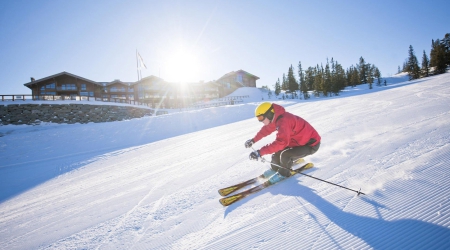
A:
[376, 232]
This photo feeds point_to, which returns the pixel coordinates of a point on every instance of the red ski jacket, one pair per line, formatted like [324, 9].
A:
[293, 131]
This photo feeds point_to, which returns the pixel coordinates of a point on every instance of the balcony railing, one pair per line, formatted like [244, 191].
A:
[71, 97]
[216, 102]
[15, 97]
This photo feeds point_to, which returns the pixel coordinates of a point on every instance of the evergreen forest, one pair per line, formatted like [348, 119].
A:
[330, 79]
[436, 63]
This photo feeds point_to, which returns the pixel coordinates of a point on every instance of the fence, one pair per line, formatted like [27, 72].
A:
[220, 101]
[231, 98]
[217, 104]
[228, 100]
[14, 97]
[71, 98]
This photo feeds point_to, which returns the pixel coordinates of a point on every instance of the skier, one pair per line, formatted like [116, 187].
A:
[295, 139]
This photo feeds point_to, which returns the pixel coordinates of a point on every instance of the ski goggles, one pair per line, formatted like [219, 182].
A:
[261, 118]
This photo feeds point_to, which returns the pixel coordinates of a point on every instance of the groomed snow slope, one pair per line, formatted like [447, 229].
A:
[151, 183]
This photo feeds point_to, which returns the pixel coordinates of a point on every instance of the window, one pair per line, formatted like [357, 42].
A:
[83, 86]
[50, 86]
[116, 89]
[70, 86]
[84, 93]
[239, 78]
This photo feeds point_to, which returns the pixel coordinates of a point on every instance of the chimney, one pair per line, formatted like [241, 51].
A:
[32, 79]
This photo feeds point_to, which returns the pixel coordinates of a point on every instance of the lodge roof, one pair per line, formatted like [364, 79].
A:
[56, 75]
[239, 71]
[151, 77]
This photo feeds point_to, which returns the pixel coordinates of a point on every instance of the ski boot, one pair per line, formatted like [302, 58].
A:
[276, 178]
[268, 173]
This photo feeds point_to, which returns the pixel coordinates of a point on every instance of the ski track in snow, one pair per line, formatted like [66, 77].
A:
[394, 144]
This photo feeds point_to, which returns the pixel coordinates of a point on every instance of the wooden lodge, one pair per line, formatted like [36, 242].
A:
[152, 90]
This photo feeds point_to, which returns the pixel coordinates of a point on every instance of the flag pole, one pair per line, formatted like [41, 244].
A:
[137, 64]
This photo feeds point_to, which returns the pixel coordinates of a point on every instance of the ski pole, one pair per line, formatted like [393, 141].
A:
[358, 192]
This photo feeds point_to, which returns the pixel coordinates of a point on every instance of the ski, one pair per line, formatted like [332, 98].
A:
[234, 198]
[228, 190]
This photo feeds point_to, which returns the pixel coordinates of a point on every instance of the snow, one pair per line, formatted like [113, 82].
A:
[151, 183]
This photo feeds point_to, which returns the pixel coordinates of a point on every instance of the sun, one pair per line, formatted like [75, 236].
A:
[181, 66]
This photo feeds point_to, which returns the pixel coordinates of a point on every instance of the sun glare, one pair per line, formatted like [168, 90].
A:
[181, 66]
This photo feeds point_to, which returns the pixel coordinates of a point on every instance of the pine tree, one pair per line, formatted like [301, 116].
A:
[326, 82]
[284, 85]
[437, 57]
[433, 54]
[333, 84]
[405, 66]
[370, 74]
[362, 70]
[377, 75]
[340, 79]
[446, 44]
[353, 76]
[302, 82]
[309, 78]
[413, 64]
[349, 76]
[441, 65]
[318, 79]
[356, 77]
[292, 82]
[277, 88]
[425, 65]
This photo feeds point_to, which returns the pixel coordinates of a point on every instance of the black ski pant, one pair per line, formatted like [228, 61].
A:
[288, 156]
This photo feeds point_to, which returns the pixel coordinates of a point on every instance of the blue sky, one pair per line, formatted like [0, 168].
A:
[202, 40]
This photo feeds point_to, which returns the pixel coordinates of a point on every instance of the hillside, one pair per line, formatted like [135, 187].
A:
[151, 183]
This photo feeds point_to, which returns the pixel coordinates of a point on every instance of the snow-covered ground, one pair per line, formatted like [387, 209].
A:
[151, 183]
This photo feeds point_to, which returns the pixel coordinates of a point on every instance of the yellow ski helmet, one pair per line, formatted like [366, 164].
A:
[265, 109]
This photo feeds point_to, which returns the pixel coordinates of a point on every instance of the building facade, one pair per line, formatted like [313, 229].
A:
[152, 90]
[234, 80]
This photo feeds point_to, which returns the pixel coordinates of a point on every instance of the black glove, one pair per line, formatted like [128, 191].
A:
[249, 143]
[254, 155]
